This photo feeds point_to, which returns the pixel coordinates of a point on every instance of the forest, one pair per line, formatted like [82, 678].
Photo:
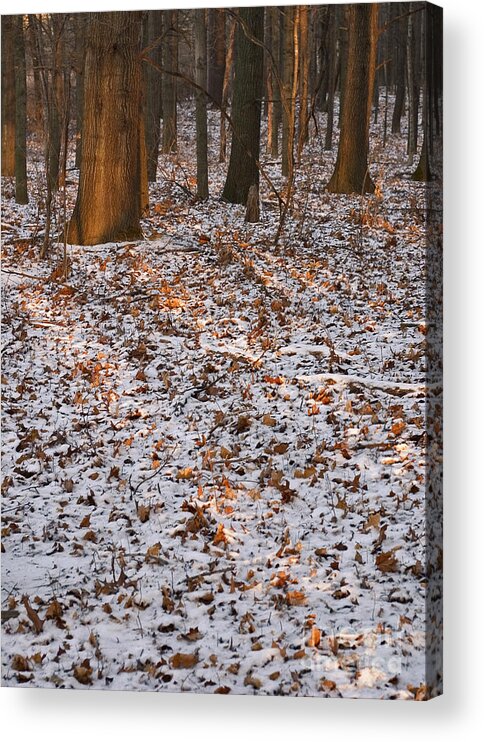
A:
[222, 373]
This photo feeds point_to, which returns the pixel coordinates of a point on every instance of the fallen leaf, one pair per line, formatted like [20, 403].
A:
[181, 661]
[387, 562]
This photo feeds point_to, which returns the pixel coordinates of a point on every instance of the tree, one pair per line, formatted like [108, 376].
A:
[351, 173]
[243, 168]
[8, 96]
[108, 201]
[399, 64]
[152, 90]
[332, 70]
[200, 34]
[21, 196]
[170, 64]
[216, 53]
[289, 67]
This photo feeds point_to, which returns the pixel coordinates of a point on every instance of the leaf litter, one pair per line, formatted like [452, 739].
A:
[214, 448]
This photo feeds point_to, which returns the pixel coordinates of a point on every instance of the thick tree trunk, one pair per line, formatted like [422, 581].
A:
[351, 173]
[21, 196]
[216, 53]
[108, 199]
[243, 168]
[8, 96]
[152, 92]
[170, 64]
[200, 34]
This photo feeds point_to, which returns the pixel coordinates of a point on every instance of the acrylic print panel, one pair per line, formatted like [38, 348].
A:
[222, 313]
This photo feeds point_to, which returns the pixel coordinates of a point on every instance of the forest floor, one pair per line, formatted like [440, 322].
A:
[214, 448]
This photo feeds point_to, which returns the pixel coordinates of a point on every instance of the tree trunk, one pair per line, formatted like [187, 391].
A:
[422, 171]
[216, 53]
[55, 103]
[80, 46]
[399, 63]
[8, 96]
[333, 52]
[170, 64]
[412, 84]
[304, 80]
[243, 168]
[152, 92]
[200, 34]
[35, 104]
[225, 92]
[351, 173]
[108, 198]
[288, 104]
[21, 196]
[273, 86]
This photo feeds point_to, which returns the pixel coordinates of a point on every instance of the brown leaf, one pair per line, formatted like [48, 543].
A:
[83, 673]
[20, 663]
[143, 513]
[181, 661]
[253, 681]
[269, 420]
[387, 562]
[54, 609]
[296, 597]
[220, 537]
[33, 615]
[314, 639]
[192, 635]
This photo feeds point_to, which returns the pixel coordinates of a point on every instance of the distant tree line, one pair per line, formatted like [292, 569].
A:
[109, 85]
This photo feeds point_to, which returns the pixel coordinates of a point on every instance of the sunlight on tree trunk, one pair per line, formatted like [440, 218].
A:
[351, 173]
[108, 198]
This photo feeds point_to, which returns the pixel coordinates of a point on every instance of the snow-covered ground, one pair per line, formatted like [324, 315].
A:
[215, 449]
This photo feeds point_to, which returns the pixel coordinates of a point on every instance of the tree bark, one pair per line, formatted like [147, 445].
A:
[399, 64]
[422, 171]
[80, 47]
[288, 104]
[8, 96]
[243, 168]
[108, 198]
[274, 112]
[351, 173]
[152, 91]
[170, 64]
[304, 80]
[216, 53]
[225, 91]
[332, 62]
[21, 196]
[412, 83]
[200, 34]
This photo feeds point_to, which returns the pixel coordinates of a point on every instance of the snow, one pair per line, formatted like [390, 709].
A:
[210, 441]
